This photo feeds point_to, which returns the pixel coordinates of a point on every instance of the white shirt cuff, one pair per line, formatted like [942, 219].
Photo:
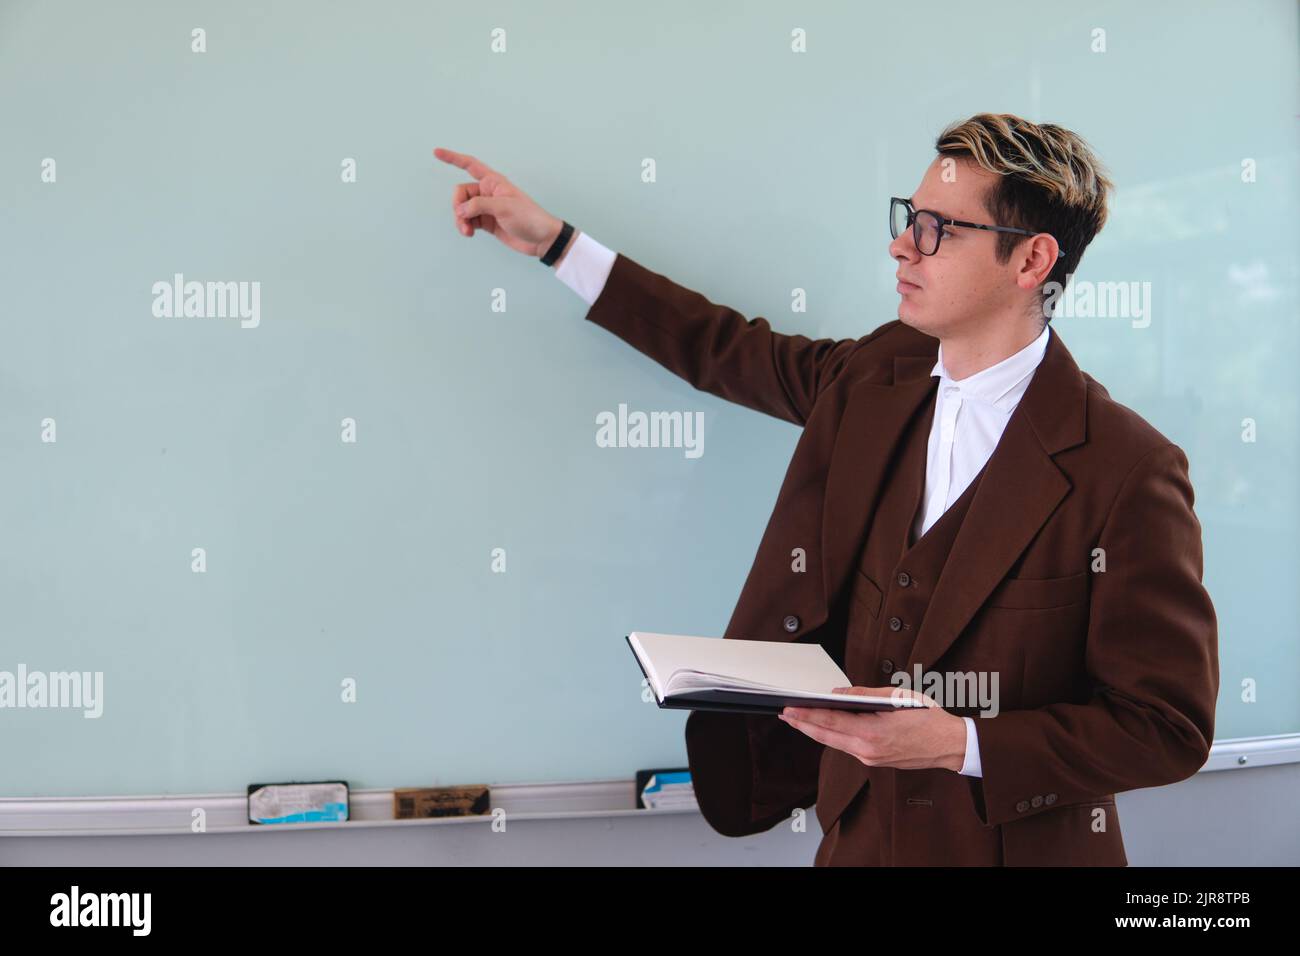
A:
[586, 267]
[971, 766]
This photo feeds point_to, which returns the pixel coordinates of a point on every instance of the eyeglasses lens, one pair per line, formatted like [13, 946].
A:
[925, 228]
[925, 231]
[897, 219]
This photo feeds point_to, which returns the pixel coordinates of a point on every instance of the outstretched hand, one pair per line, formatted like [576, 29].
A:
[497, 206]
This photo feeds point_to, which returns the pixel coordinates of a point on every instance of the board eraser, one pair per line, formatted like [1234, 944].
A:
[665, 789]
[416, 802]
[321, 800]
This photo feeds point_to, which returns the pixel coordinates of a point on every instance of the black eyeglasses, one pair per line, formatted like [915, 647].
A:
[927, 225]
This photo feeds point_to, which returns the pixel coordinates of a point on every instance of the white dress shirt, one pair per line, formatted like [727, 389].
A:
[969, 415]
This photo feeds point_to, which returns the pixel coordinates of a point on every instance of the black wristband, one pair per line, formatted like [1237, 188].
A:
[558, 245]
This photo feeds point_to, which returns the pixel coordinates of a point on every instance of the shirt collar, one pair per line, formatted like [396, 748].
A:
[998, 385]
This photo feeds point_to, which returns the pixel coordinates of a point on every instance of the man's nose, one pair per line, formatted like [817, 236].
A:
[904, 248]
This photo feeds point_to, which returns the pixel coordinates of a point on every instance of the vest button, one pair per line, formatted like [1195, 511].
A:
[895, 624]
[904, 578]
[887, 666]
[791, 623]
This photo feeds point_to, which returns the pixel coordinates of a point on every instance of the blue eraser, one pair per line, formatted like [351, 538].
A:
[318, 801]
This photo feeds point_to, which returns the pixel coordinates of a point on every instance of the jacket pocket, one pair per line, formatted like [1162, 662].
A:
[1070, 835]
[1040, 593]
[866, 592]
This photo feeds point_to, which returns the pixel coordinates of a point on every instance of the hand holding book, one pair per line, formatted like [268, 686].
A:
[936, 739]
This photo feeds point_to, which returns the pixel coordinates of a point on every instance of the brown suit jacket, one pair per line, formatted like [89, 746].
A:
[1118, 668]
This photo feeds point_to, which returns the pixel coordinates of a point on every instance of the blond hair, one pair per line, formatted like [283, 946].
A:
[1049, 180]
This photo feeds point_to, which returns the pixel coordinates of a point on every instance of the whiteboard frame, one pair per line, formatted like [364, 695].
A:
[228, 812]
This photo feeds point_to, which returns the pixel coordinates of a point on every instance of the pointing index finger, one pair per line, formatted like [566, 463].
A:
[474, 167]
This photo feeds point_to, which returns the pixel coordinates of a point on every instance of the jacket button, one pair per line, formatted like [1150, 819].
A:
[904, 578]
[1022, 806]
[1049, 799]
[791, 623]
[887, 666]
[1036, 802]
[895, 624]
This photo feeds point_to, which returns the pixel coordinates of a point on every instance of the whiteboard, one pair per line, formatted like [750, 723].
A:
[333, 568]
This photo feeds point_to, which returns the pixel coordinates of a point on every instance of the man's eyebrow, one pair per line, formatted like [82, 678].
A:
[912, 200]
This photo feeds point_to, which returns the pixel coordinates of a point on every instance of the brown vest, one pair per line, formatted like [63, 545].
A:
[879, 638]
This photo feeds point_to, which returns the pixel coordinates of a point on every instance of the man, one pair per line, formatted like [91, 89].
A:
[964, 506]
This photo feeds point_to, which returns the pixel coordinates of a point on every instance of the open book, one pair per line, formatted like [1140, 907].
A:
[746, 677]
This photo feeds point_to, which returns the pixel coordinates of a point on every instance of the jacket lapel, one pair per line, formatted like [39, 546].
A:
[1020, 489]
[874, 420]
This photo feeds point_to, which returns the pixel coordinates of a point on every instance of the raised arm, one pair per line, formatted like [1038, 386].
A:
[714, 347]
[711, 346]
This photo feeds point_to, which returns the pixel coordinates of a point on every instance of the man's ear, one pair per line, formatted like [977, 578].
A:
[1038, 259]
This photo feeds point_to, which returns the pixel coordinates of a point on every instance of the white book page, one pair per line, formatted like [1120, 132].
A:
[681, 662]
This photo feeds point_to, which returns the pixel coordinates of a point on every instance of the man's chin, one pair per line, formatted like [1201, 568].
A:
[909, 318]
